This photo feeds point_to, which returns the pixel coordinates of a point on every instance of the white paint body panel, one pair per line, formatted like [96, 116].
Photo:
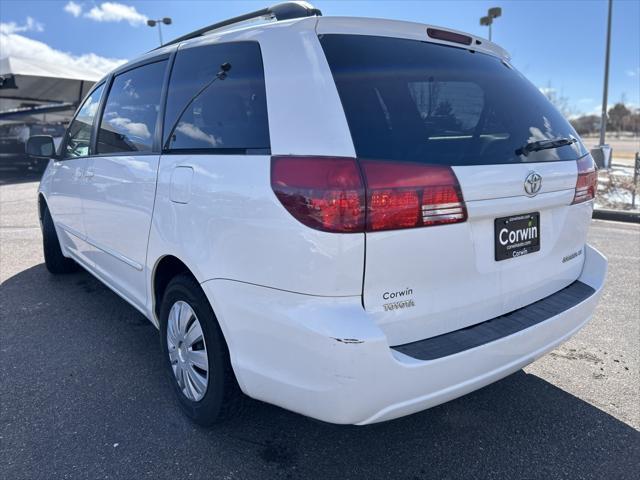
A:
[486, 182]
[235, 228]
[181, 181]
[327, 358]
[64, 188]
[451, 270]
[300, 309]
[118, 200]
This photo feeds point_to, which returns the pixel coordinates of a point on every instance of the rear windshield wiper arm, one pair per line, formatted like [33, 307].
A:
[545, 145]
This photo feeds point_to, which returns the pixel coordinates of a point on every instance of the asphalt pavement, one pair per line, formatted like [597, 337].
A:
[83, 394]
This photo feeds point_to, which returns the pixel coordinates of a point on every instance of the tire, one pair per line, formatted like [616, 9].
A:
[221, 397]
[54, 260]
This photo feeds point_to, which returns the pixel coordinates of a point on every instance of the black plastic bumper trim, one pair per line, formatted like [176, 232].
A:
[499, 327]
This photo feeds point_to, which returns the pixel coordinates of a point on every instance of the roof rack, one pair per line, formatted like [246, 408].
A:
[279, 11]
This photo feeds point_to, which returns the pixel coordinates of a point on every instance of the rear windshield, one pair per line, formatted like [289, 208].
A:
[409, 100]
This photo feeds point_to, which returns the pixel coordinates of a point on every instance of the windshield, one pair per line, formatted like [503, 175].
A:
[409, 100]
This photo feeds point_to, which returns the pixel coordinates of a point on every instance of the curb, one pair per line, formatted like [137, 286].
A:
[616, 215]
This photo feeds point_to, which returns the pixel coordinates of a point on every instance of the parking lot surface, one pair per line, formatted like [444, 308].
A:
[83, 394]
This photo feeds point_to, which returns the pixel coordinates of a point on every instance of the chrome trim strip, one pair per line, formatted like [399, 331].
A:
[70, 230]
[436, 218]
[114, 254]
[442, 211]
[431, 206]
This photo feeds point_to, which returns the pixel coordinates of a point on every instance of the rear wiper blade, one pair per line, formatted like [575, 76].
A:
[545, 145]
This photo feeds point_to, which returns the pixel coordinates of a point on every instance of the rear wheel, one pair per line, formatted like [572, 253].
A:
[196, 353]
[54, 260]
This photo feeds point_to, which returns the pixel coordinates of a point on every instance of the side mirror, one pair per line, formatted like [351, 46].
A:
[41, 146]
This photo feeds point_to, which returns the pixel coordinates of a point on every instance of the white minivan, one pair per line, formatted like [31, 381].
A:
[354, 219]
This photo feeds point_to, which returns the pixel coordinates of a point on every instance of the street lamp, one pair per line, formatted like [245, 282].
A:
[603, 122]
[159, 22]
[487, 21]
[602, 152]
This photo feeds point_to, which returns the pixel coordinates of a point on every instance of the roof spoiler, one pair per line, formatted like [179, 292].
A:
[279, 11]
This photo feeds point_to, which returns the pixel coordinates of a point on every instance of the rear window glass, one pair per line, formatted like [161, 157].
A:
[217, 115]
[409, 100]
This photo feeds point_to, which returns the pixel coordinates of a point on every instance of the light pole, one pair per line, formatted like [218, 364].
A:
[603, 121]
[159, 22]
[602, 153]
[487, 21]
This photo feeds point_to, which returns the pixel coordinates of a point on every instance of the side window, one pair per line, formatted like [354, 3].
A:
[129, 119]
[208, 113]
[79, 133]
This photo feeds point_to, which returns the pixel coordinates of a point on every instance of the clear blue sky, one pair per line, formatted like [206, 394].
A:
[552, 42]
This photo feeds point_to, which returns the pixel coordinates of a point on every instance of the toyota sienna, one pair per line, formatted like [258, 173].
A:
[354, 219]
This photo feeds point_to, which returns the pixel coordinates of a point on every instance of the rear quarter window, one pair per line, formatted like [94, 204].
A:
[417, 101]
[217, 115]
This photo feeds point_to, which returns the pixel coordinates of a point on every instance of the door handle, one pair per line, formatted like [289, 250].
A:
[89, 174]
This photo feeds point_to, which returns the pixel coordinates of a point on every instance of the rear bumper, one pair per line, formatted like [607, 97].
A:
[325, 358]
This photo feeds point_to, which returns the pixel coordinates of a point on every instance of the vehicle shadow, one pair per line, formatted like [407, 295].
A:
[91, 400]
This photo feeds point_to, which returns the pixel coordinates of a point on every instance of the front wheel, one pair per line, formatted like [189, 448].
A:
[196, 354]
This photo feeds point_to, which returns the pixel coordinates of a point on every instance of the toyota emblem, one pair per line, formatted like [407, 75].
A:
[533, 183]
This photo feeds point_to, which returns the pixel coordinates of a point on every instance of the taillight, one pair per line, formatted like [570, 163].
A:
[587, 182]
[408, 195]
[347, 195]
[325, 193]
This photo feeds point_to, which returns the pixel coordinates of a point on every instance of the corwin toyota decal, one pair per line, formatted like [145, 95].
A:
[398, 304]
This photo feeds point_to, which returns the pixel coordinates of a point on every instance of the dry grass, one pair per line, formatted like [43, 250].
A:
[615, 189]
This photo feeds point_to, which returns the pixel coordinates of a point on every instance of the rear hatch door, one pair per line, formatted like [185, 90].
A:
[408, 102]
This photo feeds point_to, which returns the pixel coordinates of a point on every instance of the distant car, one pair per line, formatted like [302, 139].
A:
[13, 138]
[355, 219]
